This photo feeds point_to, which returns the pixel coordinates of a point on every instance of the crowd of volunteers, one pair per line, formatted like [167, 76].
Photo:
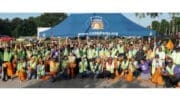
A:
[156, 61]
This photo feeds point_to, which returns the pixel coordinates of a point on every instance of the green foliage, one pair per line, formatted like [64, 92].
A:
[50, 19]
[5, 26]
[164, 27]
[28, 27]
[156, 26]
[15, 26]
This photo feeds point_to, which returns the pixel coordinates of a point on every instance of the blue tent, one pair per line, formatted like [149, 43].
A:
[97, 24]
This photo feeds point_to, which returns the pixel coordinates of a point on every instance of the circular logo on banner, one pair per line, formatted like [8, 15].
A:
[97, 23]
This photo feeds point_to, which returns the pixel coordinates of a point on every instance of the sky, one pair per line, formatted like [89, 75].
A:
[141, 21]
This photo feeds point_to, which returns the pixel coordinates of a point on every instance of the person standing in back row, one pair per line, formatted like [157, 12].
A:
[7, 65]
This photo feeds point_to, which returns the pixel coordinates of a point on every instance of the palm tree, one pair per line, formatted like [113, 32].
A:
[173, 28]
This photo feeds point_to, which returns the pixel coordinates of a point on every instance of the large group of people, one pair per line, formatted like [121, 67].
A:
[147, 60]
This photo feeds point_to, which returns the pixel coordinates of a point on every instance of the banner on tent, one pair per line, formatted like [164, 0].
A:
[98, 33]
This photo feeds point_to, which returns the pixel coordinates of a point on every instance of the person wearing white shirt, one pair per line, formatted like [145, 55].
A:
[176, 56]
[161, 54]
[156, 63]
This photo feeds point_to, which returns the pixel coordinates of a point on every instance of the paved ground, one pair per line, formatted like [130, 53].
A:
[76, 83]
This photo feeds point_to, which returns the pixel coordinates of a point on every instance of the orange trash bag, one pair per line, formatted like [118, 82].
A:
[129, 77]
[22, 76]
[157, 77]
[154, 77]
[9, 68]
[170, 45]
[160, 81]
[72, 65]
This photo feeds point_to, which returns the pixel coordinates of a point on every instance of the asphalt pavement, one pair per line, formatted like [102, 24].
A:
[77, 83]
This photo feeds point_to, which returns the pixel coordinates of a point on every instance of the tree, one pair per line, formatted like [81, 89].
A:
[5, 27]
[164, 27]
[1, 27]
[15, 24]
[177, 23]
[27, 28]
[173, 25]
[156, 26]
[50, 19]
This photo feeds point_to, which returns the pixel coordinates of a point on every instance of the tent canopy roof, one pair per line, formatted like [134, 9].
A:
[97, 24]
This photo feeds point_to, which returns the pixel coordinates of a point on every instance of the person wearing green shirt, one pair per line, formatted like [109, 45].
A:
[107, 53]
[90, 53]
[130, 54]
[101, 53]
[93, 69]
[21, 65]
[40, 69]
[66, 52]
[109, 71]
[47, 54]
[114, 52]
[8, 55]
[168, 74]
[1, 56]
[7, 66]
[97, 52]
[54, 69]
[63, 74]
[32, 68]
[176, 56]
[35, 53]
[163, 48]
[170, 69]
[83, 67]
[21, 69]
[93, 66]
[120, 49]
[124, 66]
[29, 53]
[99, 70]
[134, 52]
[84, 51]
[21, 53]
[77, 52]
[64, 64]
[1, 61]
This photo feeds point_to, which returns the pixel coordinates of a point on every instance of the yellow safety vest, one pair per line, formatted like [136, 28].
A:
[110, 67]
[53, 66]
